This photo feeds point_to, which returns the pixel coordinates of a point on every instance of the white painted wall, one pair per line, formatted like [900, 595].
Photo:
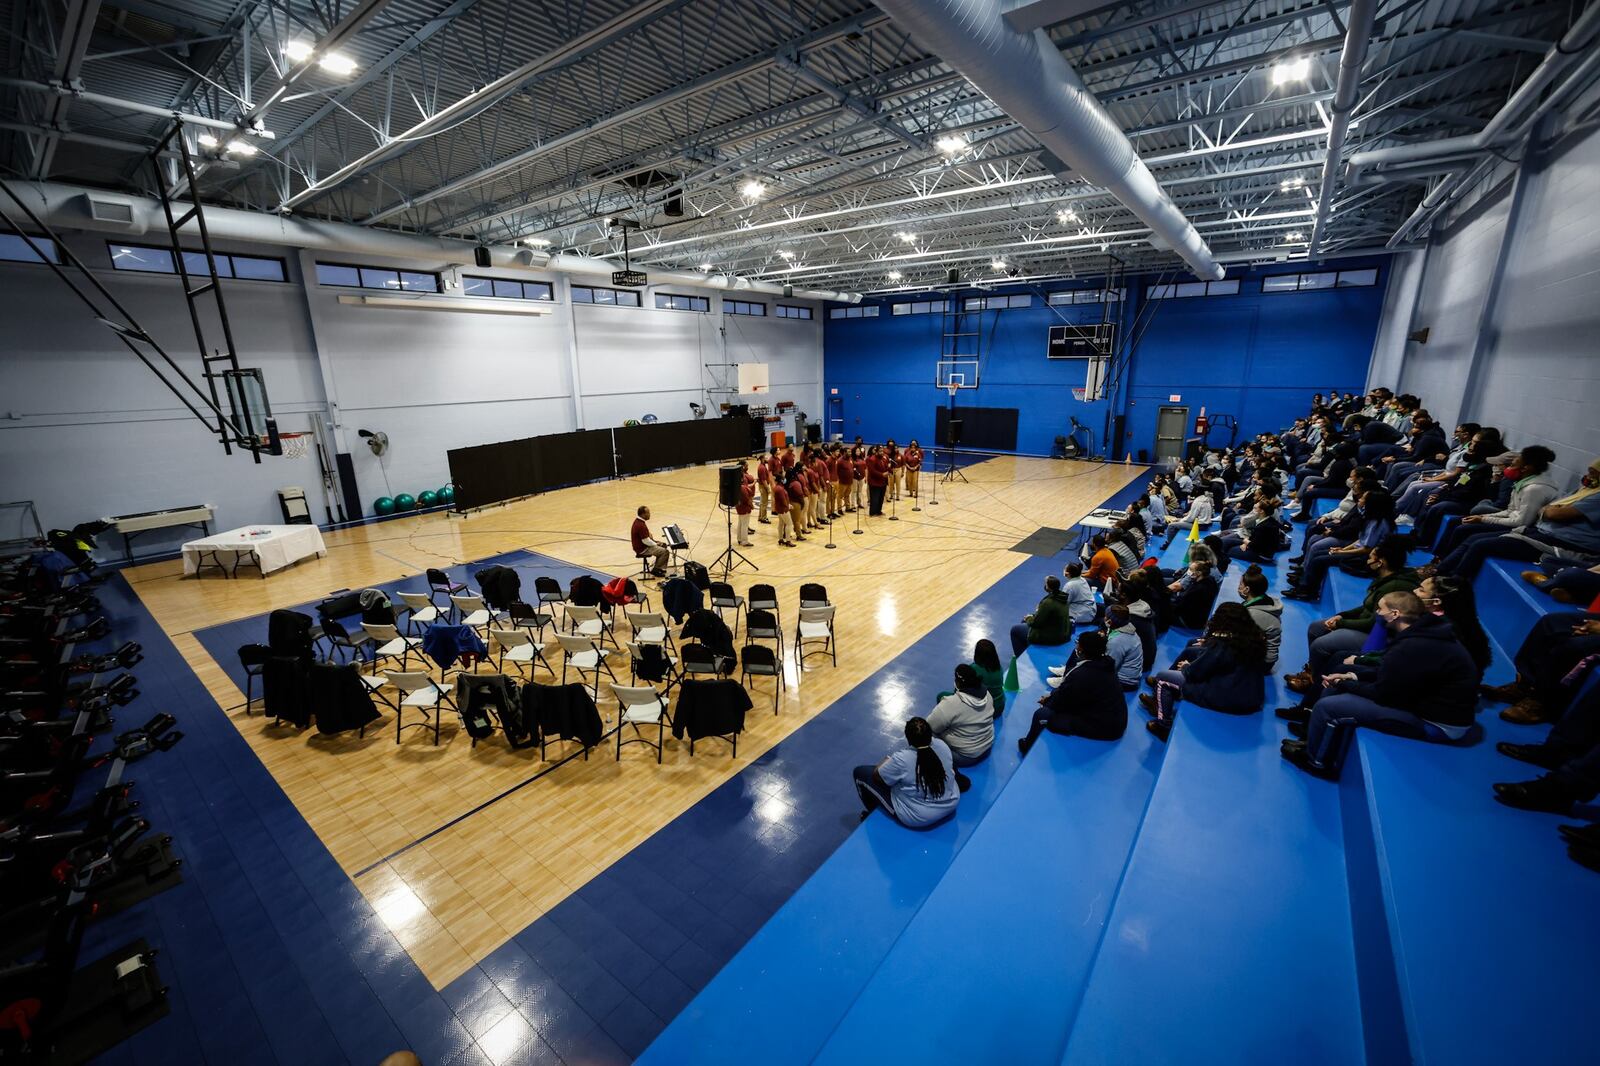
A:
[1399, 300]
[86, 430]
[1537, 376]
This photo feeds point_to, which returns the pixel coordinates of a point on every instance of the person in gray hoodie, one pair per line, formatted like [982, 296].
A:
[1267, 612]
[965, 721]
[1124, 648]
[1080, 596]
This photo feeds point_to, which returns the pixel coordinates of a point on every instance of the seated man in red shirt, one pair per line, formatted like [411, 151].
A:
[645, 547]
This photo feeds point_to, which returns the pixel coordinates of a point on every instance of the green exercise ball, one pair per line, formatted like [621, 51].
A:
[447, 494]
[427, 498]
[405, 502]
[383, 505]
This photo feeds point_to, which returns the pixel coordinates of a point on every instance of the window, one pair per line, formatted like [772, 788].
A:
[858, 311]
[1087, 296]
[996, 303]
[14, 249]
[921, 307]
[1188, 289]
[1342, 279]
[590, 294]
[364, 277]
[510, 289]
[149, 259]
[741, 307]
[669, 301]
[792, 311]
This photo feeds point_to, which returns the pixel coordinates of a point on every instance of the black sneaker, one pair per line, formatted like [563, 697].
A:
[1295, 714]
[1537, 754]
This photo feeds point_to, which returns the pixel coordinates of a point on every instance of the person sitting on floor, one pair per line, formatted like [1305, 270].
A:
[1227, 673]
[916, 785]
[1423, 686]
[1568, 529]
[1566, 583]
[1267, 612]
[1547, 661]
[1195, 590]
[1103, 562]
[1124, 648]
[1329, 640]
[986, 661]
[1081, 605]
[1049, 625]
[1087, 703]
[1202, 510]
[965, 721]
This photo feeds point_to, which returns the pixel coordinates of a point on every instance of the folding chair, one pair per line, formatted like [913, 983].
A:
[816, 624]
[762, 598]
[421, 693]
[722, 598]
[763, 625]
[638, 595]
[440, 584]
[253, 657]
[651, 628]
[699, 659]
[636, 655]
[340, 642]
[518, 647]
[524, 616]
[758, 660]
[420, 610]
[641, 706]
[585, 655]
[387, 643]
[813, 595]
[589, 622]
[471, 610]
[547, 590]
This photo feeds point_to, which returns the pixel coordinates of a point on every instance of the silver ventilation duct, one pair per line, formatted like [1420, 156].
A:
[1026, 76]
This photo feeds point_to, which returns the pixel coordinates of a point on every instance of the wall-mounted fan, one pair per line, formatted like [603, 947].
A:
[378, 442]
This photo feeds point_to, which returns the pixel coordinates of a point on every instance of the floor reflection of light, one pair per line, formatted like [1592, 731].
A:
[399, 907]
[772, 809]
[894, 700]
[502, 1040]
[888, 615]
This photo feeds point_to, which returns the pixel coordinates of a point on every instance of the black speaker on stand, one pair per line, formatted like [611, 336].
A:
[730, 479]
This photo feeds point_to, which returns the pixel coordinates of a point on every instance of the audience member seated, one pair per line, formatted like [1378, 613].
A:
[965, 721]
[916, 785]
[1533, 486]
[1330, 640]
[1266, 611]
[1422, 686]
[1088, 702]
[1565, 582]
[1465, 490]
[1081, 605]
[1359, 532]
[1194, 591]
[1567, 529]
[1103, 562]
[1547, 667]
[1049, 625]
[1227, 673]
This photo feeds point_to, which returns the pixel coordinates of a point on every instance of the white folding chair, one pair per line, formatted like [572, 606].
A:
[816, 625]
[650, 627]
[517, 646]
[590, 622]
[420, 610]
[471, 610]
[586, 655]
[388, 643]
[419, 692]
[641, 706]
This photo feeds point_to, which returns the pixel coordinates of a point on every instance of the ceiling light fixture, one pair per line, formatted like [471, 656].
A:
[907, 237]
[1288, 70]
[997, 264]
[786, 253]
[1066, 215]
[298, 51]
[1294, 236]
[1290, 184]
[895, 275]
[244, 148]
[951, 144]
[536, 242]
[337, 63]
[208, 141]
[705, 268]
[753, 190]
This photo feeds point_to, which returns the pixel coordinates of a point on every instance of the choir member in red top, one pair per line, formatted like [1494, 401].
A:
[797, 505]
[764, 477]
[877, 480]
[747, 495]
[913, 461]
[845, 471]
[892, 453]
[780, 510]
[859, 462]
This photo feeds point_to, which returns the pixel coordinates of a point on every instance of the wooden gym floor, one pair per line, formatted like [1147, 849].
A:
[454, 898]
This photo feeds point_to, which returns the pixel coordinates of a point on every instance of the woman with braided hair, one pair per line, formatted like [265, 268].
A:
[916, 786]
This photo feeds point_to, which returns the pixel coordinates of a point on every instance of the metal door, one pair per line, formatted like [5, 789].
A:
[1171, 424]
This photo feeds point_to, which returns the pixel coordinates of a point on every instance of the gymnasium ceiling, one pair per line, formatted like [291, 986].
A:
[506, 120]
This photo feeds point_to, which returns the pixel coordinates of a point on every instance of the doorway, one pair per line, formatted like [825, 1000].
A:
[1171, 424]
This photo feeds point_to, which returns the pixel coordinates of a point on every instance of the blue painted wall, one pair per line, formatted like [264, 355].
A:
[1257, 356]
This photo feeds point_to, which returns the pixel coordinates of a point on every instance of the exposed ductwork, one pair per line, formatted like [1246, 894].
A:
[1357, 33]
[72, 207]
[1027, 77]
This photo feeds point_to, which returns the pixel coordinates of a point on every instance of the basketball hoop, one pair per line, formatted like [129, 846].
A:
[295, 445]
[1079, 394]
[953, 387]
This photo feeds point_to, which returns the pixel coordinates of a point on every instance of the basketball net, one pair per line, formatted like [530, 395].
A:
[952, 388]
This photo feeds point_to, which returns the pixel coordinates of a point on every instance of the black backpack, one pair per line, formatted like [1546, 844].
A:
[698, 575]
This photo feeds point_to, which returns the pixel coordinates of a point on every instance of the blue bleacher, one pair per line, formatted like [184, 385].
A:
[1199, 901]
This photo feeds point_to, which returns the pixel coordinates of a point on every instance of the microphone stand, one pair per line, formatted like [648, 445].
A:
[857, 530]
[894, 509]
[916, 497]
[731, 556]
[830, 543]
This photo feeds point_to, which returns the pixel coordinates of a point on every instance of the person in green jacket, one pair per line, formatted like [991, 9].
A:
[1331, 639]
[986, 661]
[1050, 623]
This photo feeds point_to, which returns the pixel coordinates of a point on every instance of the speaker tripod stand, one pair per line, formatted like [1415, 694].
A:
[731, 557]
[952, 437]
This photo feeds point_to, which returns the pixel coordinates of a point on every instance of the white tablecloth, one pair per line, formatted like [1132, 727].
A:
[274, 546]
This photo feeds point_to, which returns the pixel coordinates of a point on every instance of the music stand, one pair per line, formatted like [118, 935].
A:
[676, 542]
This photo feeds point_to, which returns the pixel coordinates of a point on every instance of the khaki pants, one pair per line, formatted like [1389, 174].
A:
[785, 527]
[820, 511]
[911, 481]
[744, 530]
[766, 494]
[797, 515]
[861, 493]
[894, 483]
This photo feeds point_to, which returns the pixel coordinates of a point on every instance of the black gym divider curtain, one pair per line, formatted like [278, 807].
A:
[488, 473]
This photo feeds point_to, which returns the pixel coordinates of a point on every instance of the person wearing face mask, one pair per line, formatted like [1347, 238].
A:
[1424, 686]
[1372, 522]
[1329, 640]
[1049, 625]
[1459, 495]
[1533, 487]
[1416, 486]
[1568, 529]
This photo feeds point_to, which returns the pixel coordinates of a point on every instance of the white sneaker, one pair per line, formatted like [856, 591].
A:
[1059, 670]
[1053, 682]
[1404, 520]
